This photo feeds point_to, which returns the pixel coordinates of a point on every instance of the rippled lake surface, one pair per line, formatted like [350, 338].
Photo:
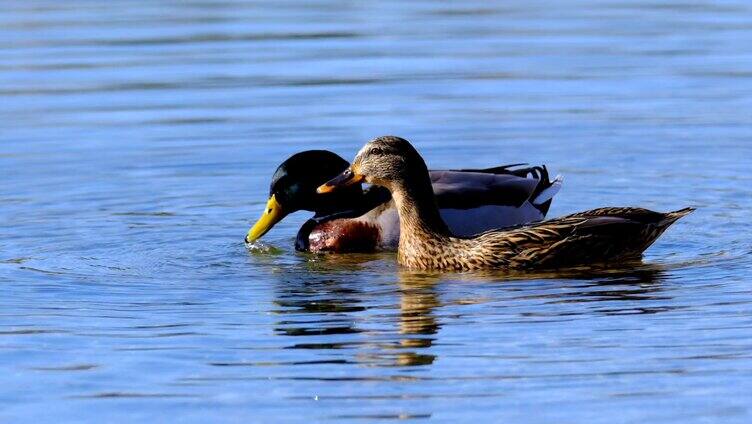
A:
[136, 147]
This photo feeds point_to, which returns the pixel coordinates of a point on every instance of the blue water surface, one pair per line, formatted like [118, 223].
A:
[137, 140]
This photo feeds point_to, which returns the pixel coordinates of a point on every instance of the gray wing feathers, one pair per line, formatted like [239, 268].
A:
[465, 190]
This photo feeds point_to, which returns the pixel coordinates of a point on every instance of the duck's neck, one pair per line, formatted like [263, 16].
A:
[420, 220]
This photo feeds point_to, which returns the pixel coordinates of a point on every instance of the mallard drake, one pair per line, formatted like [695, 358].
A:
[426, 242]
[356, 220]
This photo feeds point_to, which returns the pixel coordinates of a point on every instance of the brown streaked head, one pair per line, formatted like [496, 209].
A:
[385, 161]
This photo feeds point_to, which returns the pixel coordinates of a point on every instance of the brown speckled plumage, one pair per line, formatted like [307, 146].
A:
[594, 236]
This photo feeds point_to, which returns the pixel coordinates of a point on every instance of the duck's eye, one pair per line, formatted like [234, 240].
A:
[376, 151]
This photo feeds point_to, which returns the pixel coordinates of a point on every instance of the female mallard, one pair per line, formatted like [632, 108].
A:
[357, 220]
[595, 236]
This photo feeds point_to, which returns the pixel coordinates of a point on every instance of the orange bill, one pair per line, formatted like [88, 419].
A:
[346, 178]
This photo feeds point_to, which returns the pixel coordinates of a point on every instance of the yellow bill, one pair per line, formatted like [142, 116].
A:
[272, 215]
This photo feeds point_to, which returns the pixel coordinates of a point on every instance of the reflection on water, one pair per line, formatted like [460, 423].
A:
[331, 307]
[418, 299]
[339, 306]
[137, 145]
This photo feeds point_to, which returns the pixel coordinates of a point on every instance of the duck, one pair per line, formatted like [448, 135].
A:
[599, 236]
[358, 219]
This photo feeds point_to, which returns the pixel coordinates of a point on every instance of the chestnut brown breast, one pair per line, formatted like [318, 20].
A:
[343, 236]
